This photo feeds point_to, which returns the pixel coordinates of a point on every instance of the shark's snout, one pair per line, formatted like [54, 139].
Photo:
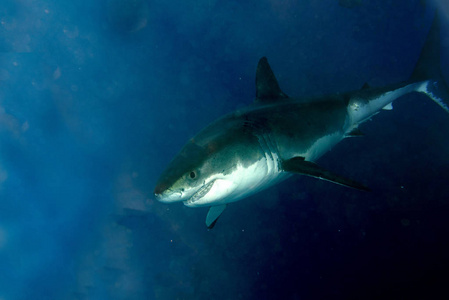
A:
[163, 193]
[160, 189]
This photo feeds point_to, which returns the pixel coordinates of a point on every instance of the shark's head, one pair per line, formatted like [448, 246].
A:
[188, 177]
[211, 168]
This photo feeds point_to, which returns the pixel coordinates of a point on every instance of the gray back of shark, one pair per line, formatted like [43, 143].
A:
[277, 136]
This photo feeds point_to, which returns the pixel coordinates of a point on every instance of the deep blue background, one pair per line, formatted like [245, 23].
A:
[96, 97]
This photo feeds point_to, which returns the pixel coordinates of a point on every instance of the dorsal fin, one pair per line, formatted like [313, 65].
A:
[365, 86]
[267, 87]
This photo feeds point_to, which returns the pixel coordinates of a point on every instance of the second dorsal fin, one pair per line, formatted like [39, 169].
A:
[267, 87]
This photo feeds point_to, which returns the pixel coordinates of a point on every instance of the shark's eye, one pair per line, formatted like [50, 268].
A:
[192, 175]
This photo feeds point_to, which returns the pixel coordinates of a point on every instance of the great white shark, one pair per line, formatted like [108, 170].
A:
[277, 136]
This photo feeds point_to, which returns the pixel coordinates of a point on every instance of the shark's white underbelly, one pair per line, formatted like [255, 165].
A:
[323, 145]
[243, 181]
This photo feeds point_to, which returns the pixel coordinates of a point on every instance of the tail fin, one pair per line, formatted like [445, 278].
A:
[437, 91]
[428, 67]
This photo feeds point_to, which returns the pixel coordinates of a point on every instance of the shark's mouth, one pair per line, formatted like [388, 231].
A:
[200, 193]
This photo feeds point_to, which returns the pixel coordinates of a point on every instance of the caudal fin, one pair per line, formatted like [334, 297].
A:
[428, 68]
[437, 91]
[428, 65]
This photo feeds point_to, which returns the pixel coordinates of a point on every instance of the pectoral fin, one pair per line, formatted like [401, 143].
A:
[213, 215]
[299, 166]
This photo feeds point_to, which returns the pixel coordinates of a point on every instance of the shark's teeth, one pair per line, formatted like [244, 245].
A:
[200, 193]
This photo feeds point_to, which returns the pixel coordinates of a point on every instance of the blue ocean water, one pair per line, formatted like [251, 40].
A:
[96, 97]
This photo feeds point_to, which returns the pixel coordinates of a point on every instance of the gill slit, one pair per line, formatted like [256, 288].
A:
[271, 152]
